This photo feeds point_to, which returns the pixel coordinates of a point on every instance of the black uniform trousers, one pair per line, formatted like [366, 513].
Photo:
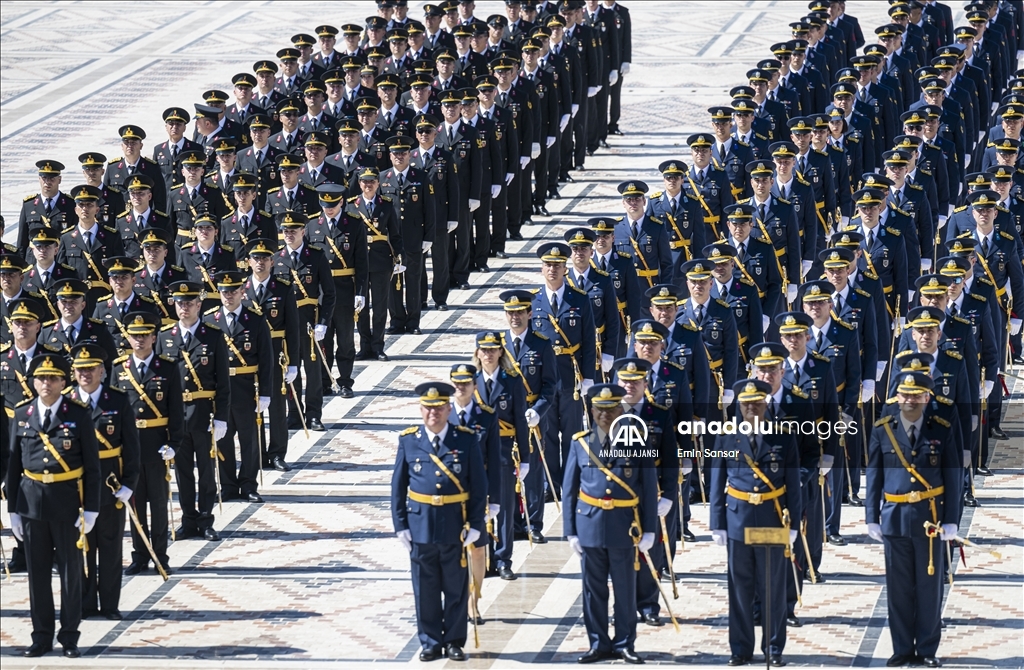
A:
[815, 519]
[241, 420]
[499, 218]
[406, 304]
[440, 267]
[598, 564]
[194, 454]
[312, 371]
[341, 332]
[597, 129]
[481, 243]
[103, 585]
[277, 412]
[914, 596]
[45, 540]
[151, 490]
[747, 581]
[647, 593]
[514, 198]
[579, 131]
[533, 487]
[505, 523]
[566, 417]
[540, 173]
[375, 316]
[615, 107]
[460, 252]
[437, 572]
[837, 486]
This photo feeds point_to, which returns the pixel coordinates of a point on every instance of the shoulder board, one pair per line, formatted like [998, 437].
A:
[820, 357]
[582, 433]
[676, 365]
[960, 319]
[126, 212]
[115, 160]
[599, 271]
[98, 322]
[353, 198]
[578, 290]
[386, 198]
[168, 326]
[870, 275]
[149, 160]
[110, 229]
[408, 431]
[265, 213]
[656, 220]
[25, 402]
[466, 429]
[687, 326]
[657, 406]
[939, 420]
[960, 208]
[77, 402]
[280, 280]
[925, 172]
[167, 359]
[1001, 208]
[227, 247]
[818, 151]
[121, 359]
[978, 297]
[311, 188]
[30, 197]
[656, 194]
[625, 254]
[944, 400]
[983, 280]
[5, 346]
[114, 189]
[740, 142]
[115, 390]
[511, 373]
[540, 335]
[47, 324]
[860, 291]
[274, 190]
[146, 298]
[884, 420]
[760, 137]
[893, 231]
[744, 280]
[176, 186]
[722, 302]
[67, 230]
[952, 353]
[105, 297]
[803, 181]
[618, 218]
[159, 213]
[798, 392]
[783, 201]
[916, 187]
[212, 310]
[1003, 233]
[846, 325]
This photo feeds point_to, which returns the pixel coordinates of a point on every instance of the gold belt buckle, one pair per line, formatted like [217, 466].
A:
[140, 423]
[47, 478]
[436, 501]
[558, 350]
[607, 503]
[187, 396]
[754, 498]
[914, 496]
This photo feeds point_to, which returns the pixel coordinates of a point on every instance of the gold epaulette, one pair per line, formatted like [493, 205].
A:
[942, 422]
[466, 429]
[582, 433]
[892, 231]
[862, 292]
[408, 431]
[30, 197]
[121, 359]
[168, 326]
[25, 402]
[952, 353]
[883, 420]
[799, 392]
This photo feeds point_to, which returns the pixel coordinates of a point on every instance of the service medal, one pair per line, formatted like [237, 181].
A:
[110, 429]
[159, 396]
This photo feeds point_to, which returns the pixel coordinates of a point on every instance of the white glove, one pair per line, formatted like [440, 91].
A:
[727, 396]
[974, 422]
[398, 269]
[624, 69]
[319, 332]
[989, 385]
[607, 360]
[532, 418]
[664, 506]
[472, 535]
[425, 247]
[452, 225]
[791, 292]
[845, 220]
[406, 537]
[574, 544]
[926, 264]
[804, 267]
[646, 542]
[949, 532]
[847, 418]
[967, 160]
[263, 404]
[473, 204]
[1015, 325]
[879, 371]
[123, 494]
[220, 429]
[523, 162]
[551, 140]
[875, 531]
[359, 302]
[720, 537]
[613, 77]
[592, 91]
[792, 537]
[495, 190]
[826, 464]
[17, 528]
[291, 373]
[585, 386]
[765, 321]
[687, 466]
[492, 511]
[575, 109]
[524, 469]
[90, 521]
[967, 458]
[564, 122]
[942, 221]
[867, 391]
[509, 176]
[167, 452]
[534, 150]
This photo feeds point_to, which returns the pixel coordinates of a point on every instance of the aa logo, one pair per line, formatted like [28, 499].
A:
[628, 431]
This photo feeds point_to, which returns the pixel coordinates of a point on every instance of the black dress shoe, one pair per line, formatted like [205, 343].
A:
[364, 356]
[135, 568]
[442, 307]
[897, 660]
[89, 614]
[793, 622]
[997, 434]
[542, 210]
[837, 540]
[465, 286]
[971, 501]
[568, 178]
[455, 653]
[37, 650]
[554, 194]
[484, 268]
[210, 535]
[17, 566]
[630, 656]
[538, 537]
[346, 392]
[516, 237]
[604, 144]
[383, 357]
[983, 471]
[280, 465]
[856, 501]
[506, 573]
[929, 661]
[415, 331]
[394, 331]
[424, 306]
[317, 424]
[737, 660]
[167, 569]
[71, 651]
[652, 619]
[427, 655]
[593, 656]
[184, 532]
[820, 578]
[254, 497]
[113, 615]
[616, 132]
[519, 535]
[500, 254]
[775, 660]
[689, 536]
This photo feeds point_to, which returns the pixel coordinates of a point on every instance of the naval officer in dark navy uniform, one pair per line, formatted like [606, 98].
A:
[438, 499]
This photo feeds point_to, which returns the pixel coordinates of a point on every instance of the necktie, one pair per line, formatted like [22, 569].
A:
[332, 223]
[142, 370]
[49, 206]
[953, 311]
[290, 141]
[700, 314]
[796, 374]
[870, 240]
[503, 99]
[721, 151]
[636, 230]
[88, 238]
[295, 258]
[604, 263]
[244, 221]
[44, 276]
[401, 181]
[761, 212]
[437, 442]
[725, 292]
[451, 136]
[206, 258]
[131, 170]
[231, 320]
[675, 207]
[291, 199]
[387, 119]
[742, 252]
[46, 419]
[817, 342]
[174, 153]
[21, 357]
[124, 309]
[489, 385]
[259, 156]
[771, 406]
[838, 299]
[192, 195]
[912, 435]
[516, 345]
[984, 246]
[314, 174]
[70, 333]
[897, 198]
[348, 163]
[462, 417]
[369, 207]
[784, 192]
[554, 303]
[188, 338]
[803, 164]
[142, 221]
[701, 176]
[260, 292]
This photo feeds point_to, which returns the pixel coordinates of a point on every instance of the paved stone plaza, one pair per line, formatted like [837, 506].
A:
[315, 577]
